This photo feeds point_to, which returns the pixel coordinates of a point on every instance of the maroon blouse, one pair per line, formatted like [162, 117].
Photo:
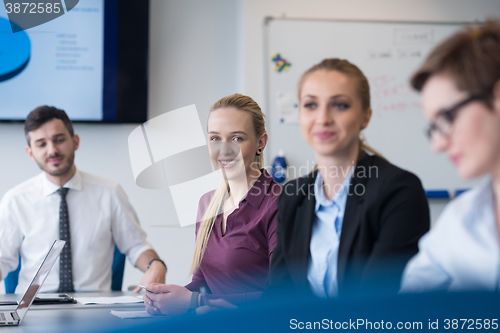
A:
[235, 265]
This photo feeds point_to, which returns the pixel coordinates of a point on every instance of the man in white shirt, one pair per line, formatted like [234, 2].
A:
[91, 213]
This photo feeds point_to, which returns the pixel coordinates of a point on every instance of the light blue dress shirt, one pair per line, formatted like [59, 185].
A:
[462, 252]
[325, 238]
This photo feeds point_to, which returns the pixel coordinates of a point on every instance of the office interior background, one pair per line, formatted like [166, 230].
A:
[200, 51]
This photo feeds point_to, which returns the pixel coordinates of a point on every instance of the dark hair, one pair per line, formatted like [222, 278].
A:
[471, 58]
[43, 114]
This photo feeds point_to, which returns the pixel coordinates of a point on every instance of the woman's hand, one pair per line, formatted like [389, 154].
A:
[169, 299]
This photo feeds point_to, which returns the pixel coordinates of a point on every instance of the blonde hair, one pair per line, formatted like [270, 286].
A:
[363, 87]
[242, 103]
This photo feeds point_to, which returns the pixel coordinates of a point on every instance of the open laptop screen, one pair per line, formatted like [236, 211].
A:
[39, 278]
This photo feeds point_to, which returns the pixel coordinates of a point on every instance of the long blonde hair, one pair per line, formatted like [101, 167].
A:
[363, 87]
[242, 103]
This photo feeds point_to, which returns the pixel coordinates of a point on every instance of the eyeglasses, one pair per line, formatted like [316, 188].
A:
[445, 118]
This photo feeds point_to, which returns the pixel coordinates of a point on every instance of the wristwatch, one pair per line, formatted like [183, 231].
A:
[157, 259]
[194, 302]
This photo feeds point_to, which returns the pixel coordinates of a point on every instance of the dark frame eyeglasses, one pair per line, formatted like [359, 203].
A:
[445, 118]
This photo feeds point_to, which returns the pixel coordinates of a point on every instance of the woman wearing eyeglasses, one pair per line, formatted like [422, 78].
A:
[354, 221]
[460, 86]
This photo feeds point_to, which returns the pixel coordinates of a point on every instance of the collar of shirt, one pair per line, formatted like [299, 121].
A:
[339, 199]
[75, 183]
[259, 190]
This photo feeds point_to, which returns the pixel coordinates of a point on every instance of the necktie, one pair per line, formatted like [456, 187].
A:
[65, 270]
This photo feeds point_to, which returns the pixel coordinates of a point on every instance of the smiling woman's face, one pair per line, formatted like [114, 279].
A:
[331, 114]
[233, 142]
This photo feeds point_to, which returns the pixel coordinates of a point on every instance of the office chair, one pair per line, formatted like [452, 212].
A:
[117, 269]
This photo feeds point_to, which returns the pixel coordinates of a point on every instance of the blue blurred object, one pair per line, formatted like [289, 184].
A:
[437, 194]
[12, 279]
[117, 269]
[15, 50]
[437, 312]
[460, 191]
[372, 307]
[279, 168]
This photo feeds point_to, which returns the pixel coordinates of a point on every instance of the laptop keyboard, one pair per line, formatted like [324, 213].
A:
[2, 316]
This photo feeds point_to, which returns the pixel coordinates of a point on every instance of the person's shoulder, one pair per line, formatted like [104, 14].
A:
[382, 171]
[28, 186]
[271, 196]
[452, 230]
[385, 167]
[202, 206]
[459, 209]
[205, 199]
[301, 181]
[274, 190]
[93, 180]
[297, 189]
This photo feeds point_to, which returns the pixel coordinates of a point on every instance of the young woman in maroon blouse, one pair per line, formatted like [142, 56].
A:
[236, 229]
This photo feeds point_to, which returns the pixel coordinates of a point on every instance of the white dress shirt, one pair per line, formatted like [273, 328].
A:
[462, 252]
[100, 216]
[325, 238]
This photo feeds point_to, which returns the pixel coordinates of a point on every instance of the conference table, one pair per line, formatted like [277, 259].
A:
[76, 317]
[266, 316]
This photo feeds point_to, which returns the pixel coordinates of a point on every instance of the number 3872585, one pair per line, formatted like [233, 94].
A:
[33, 8]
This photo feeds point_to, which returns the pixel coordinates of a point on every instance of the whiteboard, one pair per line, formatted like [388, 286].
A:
[387, 53]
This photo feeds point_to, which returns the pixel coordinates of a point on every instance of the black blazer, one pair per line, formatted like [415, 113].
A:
[386, 213]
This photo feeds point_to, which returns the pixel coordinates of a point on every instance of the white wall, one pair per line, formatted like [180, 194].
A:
[195, 53]
[103, 151]
[254, 12]
[201, 50]
[194, 59]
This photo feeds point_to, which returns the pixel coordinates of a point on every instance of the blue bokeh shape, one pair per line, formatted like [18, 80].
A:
[15, 51]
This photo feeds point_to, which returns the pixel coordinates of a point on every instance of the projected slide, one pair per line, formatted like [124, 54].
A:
[58, 63]
[15, 51]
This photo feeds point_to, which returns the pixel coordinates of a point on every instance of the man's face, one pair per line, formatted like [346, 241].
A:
[53, 148]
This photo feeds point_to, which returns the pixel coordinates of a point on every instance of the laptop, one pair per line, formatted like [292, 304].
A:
[14, 318]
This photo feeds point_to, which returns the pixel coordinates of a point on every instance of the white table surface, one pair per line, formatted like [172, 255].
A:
[76, 317]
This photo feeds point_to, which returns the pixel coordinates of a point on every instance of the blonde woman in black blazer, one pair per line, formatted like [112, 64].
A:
[385, 213]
